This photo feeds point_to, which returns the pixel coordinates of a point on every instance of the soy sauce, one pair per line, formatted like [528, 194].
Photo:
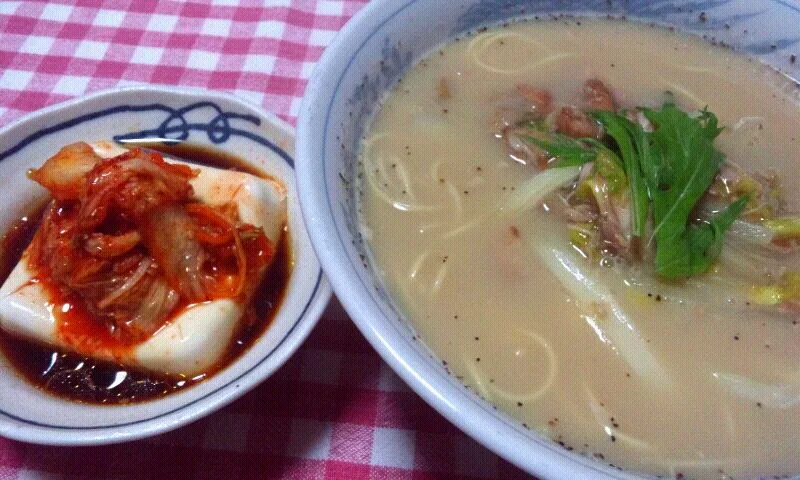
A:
[83, 379]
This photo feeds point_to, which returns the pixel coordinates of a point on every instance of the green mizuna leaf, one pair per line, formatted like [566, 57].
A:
[618, 127]
[693, 250]
[682, 163]
[669, 171]
[568, 151]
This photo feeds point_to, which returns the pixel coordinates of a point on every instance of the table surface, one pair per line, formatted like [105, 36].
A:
[335, 410]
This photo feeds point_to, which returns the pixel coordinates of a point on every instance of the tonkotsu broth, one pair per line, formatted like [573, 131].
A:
[470, 280]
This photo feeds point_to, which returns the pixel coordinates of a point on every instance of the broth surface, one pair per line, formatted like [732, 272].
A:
[470, 280]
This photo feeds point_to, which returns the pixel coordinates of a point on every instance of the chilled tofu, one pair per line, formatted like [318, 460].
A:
[197, 337]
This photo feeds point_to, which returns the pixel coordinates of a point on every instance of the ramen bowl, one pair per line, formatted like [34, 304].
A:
[369, 56]
[218, 122]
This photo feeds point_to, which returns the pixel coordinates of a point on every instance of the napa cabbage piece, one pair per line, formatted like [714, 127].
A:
[788, 227]
[532, 192]
[786, 289]
[604, 312]
[781, 395]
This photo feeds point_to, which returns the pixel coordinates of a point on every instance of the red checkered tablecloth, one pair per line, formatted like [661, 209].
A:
[335, 410]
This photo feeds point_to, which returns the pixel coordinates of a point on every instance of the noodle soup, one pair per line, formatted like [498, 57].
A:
[589, 343]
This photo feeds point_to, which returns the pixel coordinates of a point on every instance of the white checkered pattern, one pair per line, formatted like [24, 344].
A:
[109, 18]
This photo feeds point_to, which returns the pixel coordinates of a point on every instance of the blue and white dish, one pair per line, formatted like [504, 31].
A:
[369, 55]
[204, 118]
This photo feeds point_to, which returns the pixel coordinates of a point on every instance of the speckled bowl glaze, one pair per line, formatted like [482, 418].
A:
[369, 55]
[217, 120]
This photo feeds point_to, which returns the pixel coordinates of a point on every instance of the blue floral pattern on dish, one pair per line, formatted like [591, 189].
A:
[176, 126]
[724, 18]
[395, 60]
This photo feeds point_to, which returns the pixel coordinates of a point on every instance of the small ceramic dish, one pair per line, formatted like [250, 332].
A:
[369, 56]
[210, 119]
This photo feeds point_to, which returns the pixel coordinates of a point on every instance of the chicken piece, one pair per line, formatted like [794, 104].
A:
[541, 100]
[576, 124]
[598, 96]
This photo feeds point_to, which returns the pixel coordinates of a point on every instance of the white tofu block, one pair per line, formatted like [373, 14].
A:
[197, 337]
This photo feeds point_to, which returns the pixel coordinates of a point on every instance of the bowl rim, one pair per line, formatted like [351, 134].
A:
[538, 457]
[194, 408]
